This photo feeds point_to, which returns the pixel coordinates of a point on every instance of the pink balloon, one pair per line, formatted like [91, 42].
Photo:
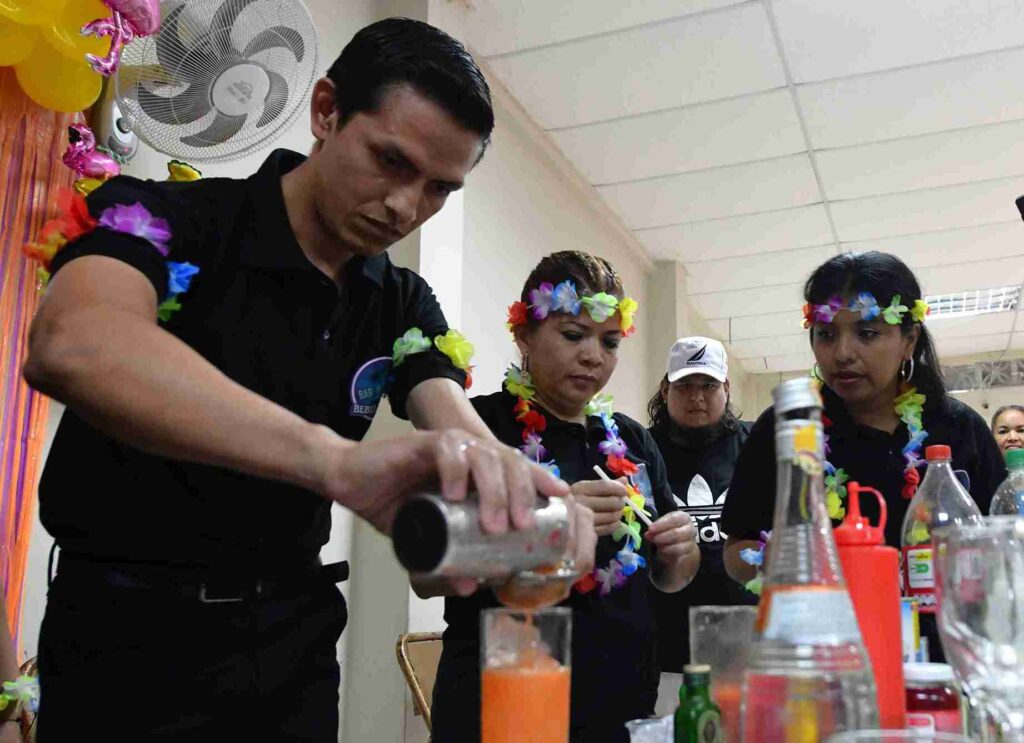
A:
[82, 157]
[130, 18]
[144, 15]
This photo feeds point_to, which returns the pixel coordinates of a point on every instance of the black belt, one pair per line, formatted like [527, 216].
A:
[207, 586]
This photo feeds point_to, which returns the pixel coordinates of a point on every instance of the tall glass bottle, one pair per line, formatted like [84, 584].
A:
[808, 674]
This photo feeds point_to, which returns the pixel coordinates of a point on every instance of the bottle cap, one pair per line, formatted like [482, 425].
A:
[1015, 458]
[856, 529]
[696, 668]
[795, 394]
[938, 451]
[928, 673]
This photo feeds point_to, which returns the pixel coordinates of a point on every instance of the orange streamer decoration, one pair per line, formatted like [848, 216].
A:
[31, 141]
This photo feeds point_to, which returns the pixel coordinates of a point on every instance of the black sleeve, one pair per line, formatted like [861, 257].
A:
[424, 313]
[658, 473]
[750, 505]
[134, 251]
[986, 468]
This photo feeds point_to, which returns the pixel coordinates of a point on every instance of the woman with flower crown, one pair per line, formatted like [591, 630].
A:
[568, 324]
[884, 402]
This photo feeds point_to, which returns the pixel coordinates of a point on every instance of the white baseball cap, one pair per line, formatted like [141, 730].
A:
[697, 355]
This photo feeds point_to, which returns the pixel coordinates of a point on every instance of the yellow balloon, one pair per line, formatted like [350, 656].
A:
[56, 82]
[16, 41]
[32, 12]
[63, 30]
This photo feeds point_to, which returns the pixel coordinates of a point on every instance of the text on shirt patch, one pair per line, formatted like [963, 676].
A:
[369, 384]
[704, 509]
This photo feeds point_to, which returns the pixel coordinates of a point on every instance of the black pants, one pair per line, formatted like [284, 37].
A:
[137, 665]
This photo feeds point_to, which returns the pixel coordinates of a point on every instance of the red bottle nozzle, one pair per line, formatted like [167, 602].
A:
[856, 529]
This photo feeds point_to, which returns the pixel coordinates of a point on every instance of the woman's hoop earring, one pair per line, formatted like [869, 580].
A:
[904, 374]
[816, 373]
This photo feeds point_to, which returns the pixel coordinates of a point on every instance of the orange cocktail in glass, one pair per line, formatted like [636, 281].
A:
[525, 676]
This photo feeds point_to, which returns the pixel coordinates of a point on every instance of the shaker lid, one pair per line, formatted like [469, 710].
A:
[928, 673]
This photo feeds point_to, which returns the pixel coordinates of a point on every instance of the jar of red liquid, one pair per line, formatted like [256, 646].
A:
[933, 702]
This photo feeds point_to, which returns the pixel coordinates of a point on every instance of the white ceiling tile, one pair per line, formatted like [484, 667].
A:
[790, 362]
[759, 326]
[707, 194]
[929, 161]
[726, 274]
[971, 275]
[500, 26]
[924, 211]
[943, 328]
[652, 68]
[772, 346]
[949, 347]
[984, 242]
[750, 234]
[824, 40]
[1017, 340]
[918, 100]
[750, 301]
[692, 138]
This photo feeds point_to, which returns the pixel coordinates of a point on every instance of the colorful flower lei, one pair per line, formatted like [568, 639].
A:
[867, 306]
[24, 689]
[75, 221]
[548, 298]
[452, 344]
[628, 560]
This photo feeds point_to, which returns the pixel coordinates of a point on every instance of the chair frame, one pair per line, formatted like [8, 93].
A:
[421, 703]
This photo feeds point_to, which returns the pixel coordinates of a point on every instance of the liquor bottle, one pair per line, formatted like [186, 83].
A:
[698, 718]
[807, 673]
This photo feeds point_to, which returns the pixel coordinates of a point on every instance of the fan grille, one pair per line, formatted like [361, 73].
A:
[220, 78]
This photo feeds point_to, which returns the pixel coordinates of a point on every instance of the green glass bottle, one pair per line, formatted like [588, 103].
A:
[698, 718]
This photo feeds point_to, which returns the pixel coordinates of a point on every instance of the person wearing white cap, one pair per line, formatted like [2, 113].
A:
[700, 438]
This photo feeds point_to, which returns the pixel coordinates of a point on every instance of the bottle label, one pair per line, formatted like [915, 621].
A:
[920, 573]
[811, 615]
[709, 727]
[940, 721]
[920, 723]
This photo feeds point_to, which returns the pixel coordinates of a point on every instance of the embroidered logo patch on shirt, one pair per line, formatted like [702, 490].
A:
[369, 384]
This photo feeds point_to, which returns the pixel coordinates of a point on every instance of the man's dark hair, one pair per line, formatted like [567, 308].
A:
[401, 51]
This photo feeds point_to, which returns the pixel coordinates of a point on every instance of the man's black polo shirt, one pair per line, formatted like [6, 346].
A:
[260, 312]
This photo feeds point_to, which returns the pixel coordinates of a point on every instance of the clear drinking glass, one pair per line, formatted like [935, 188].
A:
[525, 674]
[980, 577]
[720, 637]
[895, 736]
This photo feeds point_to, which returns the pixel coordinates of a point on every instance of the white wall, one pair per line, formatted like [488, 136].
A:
[521, 206]
[987, 402]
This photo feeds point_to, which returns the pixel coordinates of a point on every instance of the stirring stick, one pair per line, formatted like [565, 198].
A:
[629, 501]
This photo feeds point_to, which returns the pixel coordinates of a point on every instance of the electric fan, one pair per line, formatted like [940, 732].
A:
[220, 78]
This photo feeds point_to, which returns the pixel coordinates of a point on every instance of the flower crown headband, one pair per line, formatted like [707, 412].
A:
[548, 298]
[868, 307]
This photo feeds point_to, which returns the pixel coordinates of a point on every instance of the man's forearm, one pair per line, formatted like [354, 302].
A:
[440, 403]
[138, 383]
[676, 575]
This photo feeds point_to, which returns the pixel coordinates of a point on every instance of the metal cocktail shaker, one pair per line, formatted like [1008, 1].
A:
[436, 538]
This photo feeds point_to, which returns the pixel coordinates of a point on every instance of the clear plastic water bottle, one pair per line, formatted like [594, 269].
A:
[940, 501]
[808, 673]
[1009, 497]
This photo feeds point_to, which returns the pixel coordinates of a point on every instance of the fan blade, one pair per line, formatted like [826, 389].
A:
[277, 37]
[277, 96]
[189, 63]
[183, 108]
[222, 129]
[222, 24]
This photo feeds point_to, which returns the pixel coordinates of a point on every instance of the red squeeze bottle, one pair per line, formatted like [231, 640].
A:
[872, 572]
